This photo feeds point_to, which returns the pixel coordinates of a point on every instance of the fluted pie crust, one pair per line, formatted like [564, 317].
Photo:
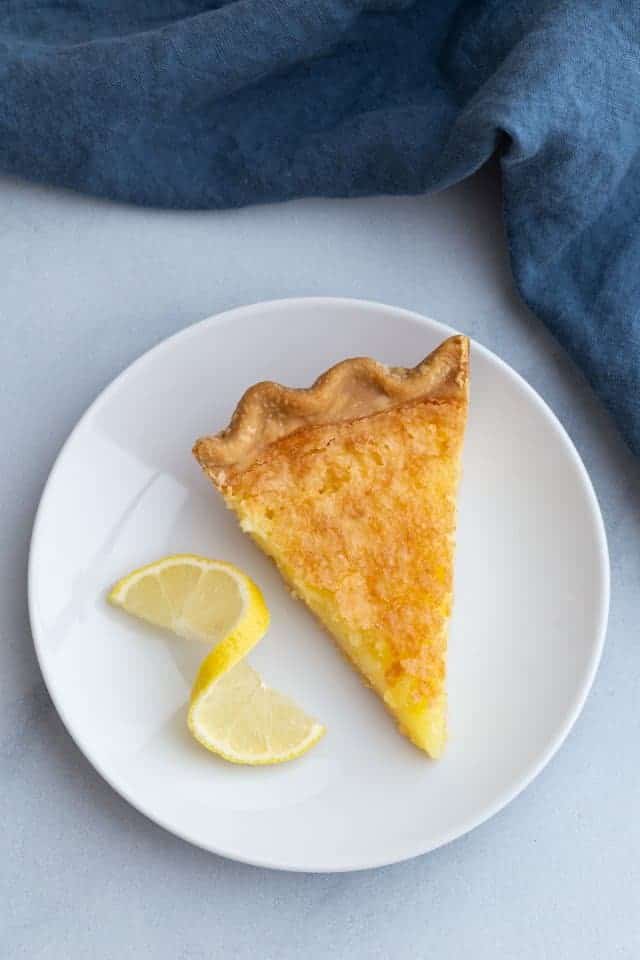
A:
[350, 486]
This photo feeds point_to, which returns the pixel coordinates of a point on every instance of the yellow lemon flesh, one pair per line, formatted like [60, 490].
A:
[195, 597]
[234, 714]
[231, 711]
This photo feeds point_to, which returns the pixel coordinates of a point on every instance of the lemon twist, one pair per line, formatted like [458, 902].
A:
[231, 711]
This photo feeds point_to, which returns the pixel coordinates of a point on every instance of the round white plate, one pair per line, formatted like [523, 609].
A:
[532, 586]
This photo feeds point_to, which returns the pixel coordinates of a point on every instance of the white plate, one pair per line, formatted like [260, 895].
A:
[532, 587]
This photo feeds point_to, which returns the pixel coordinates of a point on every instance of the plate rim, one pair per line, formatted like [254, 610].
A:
[576, 707]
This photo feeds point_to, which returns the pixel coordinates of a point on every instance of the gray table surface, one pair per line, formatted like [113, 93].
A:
[85, 287]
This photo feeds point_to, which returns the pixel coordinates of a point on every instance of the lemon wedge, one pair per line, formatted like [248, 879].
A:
[195, 597]
[231, 711]
[234, 714]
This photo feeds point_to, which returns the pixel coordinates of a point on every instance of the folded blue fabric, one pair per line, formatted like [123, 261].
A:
[189, 103]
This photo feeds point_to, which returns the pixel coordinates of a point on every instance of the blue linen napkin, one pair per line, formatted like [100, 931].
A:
[189, 103]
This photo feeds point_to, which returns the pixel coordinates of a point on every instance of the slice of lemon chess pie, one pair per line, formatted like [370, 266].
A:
[350, 486]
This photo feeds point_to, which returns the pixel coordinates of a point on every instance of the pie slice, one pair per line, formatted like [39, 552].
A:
[350, 486]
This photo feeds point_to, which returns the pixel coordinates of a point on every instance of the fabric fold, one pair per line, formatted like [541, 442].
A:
[195, 104]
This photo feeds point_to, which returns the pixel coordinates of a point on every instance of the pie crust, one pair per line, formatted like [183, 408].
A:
[354, 388]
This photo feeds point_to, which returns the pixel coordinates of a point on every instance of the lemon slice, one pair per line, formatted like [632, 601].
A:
[234, 714]
[231, 711]
[197, 598]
